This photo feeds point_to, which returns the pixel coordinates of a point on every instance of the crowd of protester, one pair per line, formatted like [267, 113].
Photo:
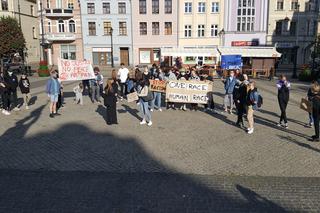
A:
[241, 95]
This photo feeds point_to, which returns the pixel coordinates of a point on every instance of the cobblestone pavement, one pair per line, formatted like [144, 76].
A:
[185, 162]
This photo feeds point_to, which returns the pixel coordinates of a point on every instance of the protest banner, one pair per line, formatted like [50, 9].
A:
[188, 91]
[157, 86]
[306, 105]
[132, 97]
[73, 70]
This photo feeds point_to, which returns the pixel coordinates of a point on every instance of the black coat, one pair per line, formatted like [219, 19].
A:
[11, 82]
[24, 85]
[110, 97]
[283, 94]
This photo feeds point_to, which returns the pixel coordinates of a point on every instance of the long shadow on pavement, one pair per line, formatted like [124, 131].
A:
[295, 141]
[76, 169]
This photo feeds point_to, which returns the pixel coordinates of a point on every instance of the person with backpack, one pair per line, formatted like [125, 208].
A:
[24, 85]
[253, 105]
[315, 89]
[283, 98]
[239, 97]
[229, 85]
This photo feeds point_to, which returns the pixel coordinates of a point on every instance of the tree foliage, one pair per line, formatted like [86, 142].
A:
[11, 36]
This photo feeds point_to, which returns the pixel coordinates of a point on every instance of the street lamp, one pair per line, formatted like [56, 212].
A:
[296, 47]
[42, 34]
[221, 35]
[111, 32]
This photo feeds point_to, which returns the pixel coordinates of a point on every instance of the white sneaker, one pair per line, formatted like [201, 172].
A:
[7, 112]
[3, 111]
[16, 109]
[250, 131]
[160, 110]
[150, 123]
[143, 122]
[27, 107]
[151, 110]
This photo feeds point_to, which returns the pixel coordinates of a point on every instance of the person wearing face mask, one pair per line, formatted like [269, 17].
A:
[12, 83]
[24, 85]
[229, 85]
[53, 90]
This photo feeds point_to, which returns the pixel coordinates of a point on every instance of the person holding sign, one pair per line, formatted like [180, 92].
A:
[157, 76]
[110, 101]
[169, 77]
[194, 77]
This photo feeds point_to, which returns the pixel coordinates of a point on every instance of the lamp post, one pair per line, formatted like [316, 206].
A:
[22, 50]
[111, 32]
[42, 34]
[221, 35]
[296, 47]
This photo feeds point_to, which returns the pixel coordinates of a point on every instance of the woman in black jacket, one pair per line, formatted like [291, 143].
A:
[240, 98]
[315, 89]
[110, 101]
[283, 98]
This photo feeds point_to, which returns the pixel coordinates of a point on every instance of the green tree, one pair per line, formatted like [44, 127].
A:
[11, 36]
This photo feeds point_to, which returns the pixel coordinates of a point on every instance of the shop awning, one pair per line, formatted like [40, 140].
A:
[176, 52]
[254, 52]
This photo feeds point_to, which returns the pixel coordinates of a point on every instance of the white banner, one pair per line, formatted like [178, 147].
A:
[73, 70]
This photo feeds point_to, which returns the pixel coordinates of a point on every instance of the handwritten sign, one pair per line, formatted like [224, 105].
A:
[73, 70]
[188, 91]
[158, 86]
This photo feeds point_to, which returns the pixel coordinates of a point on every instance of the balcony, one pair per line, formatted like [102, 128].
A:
[52, 37]
[59, 13]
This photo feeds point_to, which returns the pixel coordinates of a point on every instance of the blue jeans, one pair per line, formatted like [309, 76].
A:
[130, 85]
[310, 118]
[144, 109]
[156, 100]
[95, 93]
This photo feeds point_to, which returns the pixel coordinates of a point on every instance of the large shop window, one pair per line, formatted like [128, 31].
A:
[68, 52]
[101, 58]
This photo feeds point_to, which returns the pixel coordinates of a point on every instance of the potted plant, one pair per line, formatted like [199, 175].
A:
[43, 70]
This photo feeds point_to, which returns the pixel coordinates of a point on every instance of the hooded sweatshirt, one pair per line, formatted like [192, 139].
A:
[24, 85]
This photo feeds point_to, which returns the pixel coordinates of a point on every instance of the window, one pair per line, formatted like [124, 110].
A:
[122, 8]
[294, 5]
[168, 28]
[142, 6]
[4, 5]
[90, 8]
[188, 7]
[68, 52]
[72, 26]
[201, 30]
[92, 28]
[167, 6]
[70, 4]
[123, 28]
[143, 28]
[214, 30]
[106, 8]
[293, 26]
[278, 30]
[59, 4]
[32, 10]
[61, 26]
[48, 4]
[245, 18]
[215, 7]
[311, 28]
[187, 31]
[201, 7]
[107, 28]
[34, 33]
[155, 28]
[155, 6]
[280, 5]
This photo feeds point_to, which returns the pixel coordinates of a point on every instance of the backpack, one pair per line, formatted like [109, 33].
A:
[260, 101]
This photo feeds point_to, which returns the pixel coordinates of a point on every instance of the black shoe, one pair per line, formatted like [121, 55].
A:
[51, 115]
[57, 114]
[314, 138]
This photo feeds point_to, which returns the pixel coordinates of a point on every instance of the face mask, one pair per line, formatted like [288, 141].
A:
[10, 73]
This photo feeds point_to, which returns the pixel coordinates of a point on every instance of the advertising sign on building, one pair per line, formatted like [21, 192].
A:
[231, 62]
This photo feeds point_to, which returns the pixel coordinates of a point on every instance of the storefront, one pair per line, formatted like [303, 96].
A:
[101, 56]
[190, 56]
[149, 55]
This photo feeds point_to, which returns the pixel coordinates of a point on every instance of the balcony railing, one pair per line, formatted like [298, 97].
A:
[60, 37]
[59, 13]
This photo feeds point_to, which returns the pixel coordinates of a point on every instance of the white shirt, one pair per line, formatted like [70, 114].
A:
[123, 74]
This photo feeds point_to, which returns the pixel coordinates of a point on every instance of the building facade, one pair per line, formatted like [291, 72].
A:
[293, 29]
[155, 25]
[62, 29]
[104, 21]
[27, 18]
[200, 23]
[245, 22]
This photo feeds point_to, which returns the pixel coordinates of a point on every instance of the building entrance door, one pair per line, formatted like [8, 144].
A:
[124, 56]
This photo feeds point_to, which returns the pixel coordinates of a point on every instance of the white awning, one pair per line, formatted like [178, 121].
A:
[254, 52]
[176, 52]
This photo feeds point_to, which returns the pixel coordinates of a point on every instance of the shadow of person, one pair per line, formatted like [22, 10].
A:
[258, 202]
[295, 141]
[33, 100]
[101, 110]
[74, 167]
[133, 112]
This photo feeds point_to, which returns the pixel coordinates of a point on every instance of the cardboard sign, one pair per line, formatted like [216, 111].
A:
[188, 91]
[306, 105]
[73, 70]
[132, 97]
[158, 86]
